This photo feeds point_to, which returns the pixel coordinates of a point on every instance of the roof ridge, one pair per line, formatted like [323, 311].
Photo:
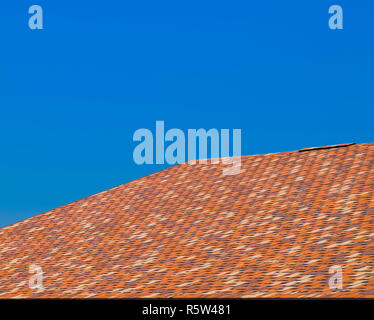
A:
[328, 147]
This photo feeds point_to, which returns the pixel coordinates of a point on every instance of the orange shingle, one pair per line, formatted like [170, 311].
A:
[273, 230]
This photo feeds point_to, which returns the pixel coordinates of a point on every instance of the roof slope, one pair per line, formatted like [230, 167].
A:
[273, 230]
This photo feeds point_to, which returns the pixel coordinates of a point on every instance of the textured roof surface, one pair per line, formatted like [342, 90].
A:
[273, 230]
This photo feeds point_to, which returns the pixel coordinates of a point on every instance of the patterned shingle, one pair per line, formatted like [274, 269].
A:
[274, 230]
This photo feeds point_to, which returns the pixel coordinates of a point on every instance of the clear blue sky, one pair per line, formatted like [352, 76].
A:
[72, 95]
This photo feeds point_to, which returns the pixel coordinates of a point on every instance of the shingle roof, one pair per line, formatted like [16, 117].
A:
[273, 230]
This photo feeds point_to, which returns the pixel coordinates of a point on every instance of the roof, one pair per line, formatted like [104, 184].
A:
[274, 230]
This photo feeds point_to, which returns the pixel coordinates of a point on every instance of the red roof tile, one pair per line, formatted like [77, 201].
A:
[274, 230]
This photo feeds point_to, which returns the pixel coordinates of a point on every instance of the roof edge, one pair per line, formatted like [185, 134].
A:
[328, 147]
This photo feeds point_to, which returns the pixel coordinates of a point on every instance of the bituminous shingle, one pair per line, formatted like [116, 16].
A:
[273, 230]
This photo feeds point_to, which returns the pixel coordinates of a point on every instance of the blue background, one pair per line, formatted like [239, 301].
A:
[72, 95]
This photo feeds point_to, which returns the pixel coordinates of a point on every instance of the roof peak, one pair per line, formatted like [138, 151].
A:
[328, 147]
